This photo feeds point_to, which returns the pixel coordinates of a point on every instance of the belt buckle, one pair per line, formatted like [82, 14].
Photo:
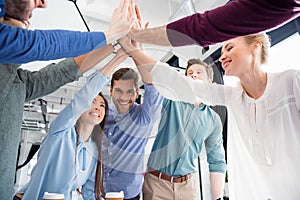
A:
[172, 181]
[188, 177]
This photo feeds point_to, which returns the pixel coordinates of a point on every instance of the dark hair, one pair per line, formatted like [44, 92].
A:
[17, 9]
[125, 74]
[97, 136]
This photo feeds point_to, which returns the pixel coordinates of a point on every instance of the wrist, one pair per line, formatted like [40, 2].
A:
[109, 38]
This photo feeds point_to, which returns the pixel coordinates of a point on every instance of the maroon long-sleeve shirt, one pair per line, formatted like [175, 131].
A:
[236, 18]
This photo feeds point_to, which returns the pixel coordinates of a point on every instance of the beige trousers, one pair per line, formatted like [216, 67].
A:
[155, 188]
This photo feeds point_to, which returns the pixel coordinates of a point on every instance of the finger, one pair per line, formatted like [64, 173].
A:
[123, 6]
[138, 12]
[131, 11]
[147, 25]
[126, 8]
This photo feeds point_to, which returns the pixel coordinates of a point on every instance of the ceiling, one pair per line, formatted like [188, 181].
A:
[63, 14]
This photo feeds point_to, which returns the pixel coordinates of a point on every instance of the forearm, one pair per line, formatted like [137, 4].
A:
[89, 60]
[49, 78]
[112, 64]
[220, 24]
[21, 46]
[217, 181]
[156, 36]
[144, 64]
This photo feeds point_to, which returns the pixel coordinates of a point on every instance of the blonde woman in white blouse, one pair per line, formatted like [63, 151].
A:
[264, 113]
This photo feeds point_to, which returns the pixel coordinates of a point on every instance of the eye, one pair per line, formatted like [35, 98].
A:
[130, 91]
[118, 91]
[102, 105]
[229, 48]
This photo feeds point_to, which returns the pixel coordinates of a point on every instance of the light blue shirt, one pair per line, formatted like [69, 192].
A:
[124, 141]
[182, 131]
[57, 170]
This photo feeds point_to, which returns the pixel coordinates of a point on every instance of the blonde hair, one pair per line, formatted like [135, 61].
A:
[264, 39]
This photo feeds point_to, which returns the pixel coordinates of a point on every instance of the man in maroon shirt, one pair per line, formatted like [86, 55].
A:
[236, 18]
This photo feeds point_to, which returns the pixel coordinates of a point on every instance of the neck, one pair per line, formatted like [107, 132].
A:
[16, 23]
[254, 83]
[84, 129]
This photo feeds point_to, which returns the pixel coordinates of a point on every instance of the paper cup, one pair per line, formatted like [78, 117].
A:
[114, 195]
[53, 196]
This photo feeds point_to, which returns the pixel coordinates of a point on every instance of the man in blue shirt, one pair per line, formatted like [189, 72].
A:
[182, 130]
[18, 45]
[127, 129]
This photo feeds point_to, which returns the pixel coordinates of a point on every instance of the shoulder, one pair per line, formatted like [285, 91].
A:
[286, 76]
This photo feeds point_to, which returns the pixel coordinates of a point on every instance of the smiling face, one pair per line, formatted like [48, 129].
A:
[124, 94]
[237, 57]
[196, 72]
[95, 114]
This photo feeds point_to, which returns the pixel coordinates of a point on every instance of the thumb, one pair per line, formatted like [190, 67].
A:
[147, 25]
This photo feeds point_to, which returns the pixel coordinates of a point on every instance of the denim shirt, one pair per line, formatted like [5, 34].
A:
[124, 141]
[62, 167]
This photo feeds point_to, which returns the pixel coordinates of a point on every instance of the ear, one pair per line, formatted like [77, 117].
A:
[110, 91]
[256, 46]
[137, 93]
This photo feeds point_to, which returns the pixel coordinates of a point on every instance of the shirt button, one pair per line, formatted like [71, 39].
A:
[111, 144]
[110, 134]
[109, 153]
[108, 174]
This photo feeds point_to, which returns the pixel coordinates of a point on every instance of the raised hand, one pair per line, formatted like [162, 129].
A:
[121, 21]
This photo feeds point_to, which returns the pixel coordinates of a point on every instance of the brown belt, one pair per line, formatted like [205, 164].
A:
[171, 178]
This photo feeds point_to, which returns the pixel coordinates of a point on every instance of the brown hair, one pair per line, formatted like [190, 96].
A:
[264, 39]
[97, 137]
[208, 69]
[17, 9]
[125, 74]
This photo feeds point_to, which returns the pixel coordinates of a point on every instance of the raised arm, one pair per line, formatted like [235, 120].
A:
[18, 45]
[253, 17]
[143, 62]
[83, 99]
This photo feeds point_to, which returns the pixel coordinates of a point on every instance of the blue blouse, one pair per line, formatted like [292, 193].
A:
[60, 167]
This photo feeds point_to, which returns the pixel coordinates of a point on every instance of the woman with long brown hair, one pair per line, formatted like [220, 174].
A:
[69, 154]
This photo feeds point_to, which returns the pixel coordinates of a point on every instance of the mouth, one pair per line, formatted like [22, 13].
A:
[225, 64]
[94, 114]
[124, 103]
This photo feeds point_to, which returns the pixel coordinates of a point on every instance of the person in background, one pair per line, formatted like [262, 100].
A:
[182, 130]
[69, 157]
[18, 45]
[220, 24]
[264, 140]
[19, 86]
[128, 128]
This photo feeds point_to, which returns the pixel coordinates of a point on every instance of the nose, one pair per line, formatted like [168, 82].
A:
[42, 4]
[222, 58]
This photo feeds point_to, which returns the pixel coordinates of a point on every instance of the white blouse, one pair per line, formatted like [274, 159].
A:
[263, 135]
